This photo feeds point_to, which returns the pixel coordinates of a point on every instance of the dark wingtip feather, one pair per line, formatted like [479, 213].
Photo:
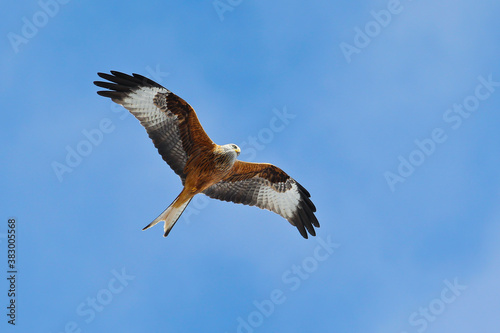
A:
[303, 190]
[314, 220]
[303, 233]
[103, 75]
[308, 202]
[114, 95]
[305, 195]
[146, 81]
[121, 75]
[122, 82]
[300, 226]
[311, 217]
[112, 86]
[306, 210]
[306, 221]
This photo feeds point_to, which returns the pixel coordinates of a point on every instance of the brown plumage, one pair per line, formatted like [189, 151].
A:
[203, 166]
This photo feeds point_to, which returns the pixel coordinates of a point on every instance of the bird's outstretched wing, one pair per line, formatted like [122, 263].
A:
[170, 121]
[268, 187]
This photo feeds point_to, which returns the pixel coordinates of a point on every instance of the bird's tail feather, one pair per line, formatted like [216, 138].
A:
[170, 215]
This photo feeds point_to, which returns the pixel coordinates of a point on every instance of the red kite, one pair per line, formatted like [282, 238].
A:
[205, 167]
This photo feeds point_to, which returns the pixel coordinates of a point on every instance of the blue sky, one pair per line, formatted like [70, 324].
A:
[396, 139]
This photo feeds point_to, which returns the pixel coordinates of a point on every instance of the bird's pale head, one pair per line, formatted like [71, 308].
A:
[231, 148]
[235, 148]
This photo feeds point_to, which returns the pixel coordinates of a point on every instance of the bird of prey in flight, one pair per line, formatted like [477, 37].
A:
[203, 166]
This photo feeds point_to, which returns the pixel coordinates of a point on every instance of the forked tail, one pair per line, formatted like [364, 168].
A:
[170, 215]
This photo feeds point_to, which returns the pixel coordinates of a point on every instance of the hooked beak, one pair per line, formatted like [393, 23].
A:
[238, 151]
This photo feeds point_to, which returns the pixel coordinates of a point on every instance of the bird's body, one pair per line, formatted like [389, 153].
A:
[203, 170]
[205, 167]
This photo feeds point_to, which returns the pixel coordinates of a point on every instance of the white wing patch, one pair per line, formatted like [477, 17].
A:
[283, 203]
[140, 104]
